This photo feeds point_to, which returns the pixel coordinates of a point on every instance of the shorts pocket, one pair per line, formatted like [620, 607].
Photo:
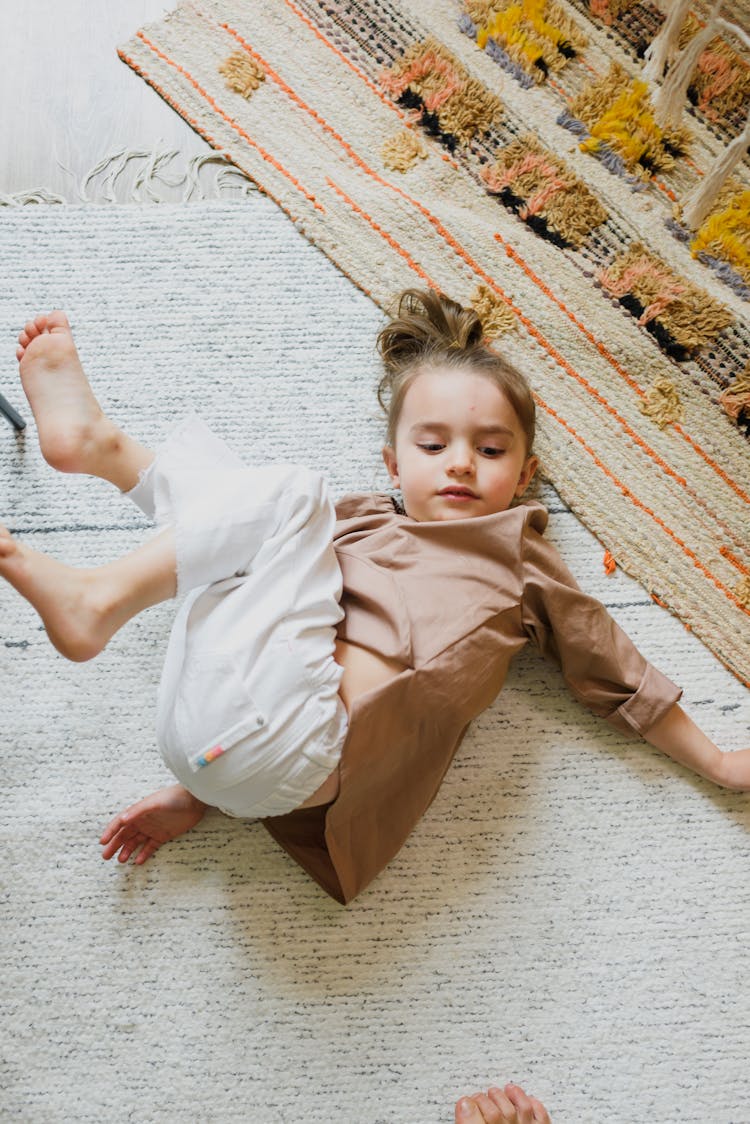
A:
[217, 747]
[213, 709]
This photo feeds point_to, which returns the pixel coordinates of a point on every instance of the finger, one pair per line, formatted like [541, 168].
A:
[127, 849]
[108, 852]
[467, 1112]
[489, 1109]
[541, 1116]
[121, 820]
[109, 831]
[126, 822]
[523, 1105]
[115, 843]
[150, 847]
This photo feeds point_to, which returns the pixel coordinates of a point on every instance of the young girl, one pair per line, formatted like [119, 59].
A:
[326, 662]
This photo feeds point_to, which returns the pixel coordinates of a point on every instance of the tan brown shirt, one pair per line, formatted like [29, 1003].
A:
[453, 601]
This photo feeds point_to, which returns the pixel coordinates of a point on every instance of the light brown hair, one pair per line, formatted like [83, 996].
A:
[430, 330]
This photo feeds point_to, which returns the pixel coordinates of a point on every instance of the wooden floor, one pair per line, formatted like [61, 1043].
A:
[66, 98]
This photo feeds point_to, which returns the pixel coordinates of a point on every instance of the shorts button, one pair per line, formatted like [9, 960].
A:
[261, 721]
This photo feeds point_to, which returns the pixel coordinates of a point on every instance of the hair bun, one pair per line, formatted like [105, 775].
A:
[426, 326]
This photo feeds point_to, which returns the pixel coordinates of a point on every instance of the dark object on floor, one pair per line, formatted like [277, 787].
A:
[11, 414]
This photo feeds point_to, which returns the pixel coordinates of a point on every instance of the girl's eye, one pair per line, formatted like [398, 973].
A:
[488, 450]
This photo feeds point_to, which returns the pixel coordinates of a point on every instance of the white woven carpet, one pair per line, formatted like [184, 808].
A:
[571, 914]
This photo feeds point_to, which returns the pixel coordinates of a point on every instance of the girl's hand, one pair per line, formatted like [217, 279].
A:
[144, 826]
[735, 770]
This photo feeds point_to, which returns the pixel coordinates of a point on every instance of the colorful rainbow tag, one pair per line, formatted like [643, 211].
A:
[210, 755]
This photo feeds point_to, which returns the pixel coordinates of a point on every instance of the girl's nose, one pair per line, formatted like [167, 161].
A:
[461, 462]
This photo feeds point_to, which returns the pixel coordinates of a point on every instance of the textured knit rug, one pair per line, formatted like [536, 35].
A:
[572, 912]
[429, 144]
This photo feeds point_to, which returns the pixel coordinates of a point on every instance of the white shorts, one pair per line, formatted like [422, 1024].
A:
[248, 717]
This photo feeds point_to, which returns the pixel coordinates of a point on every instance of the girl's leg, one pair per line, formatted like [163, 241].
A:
[82, 609]
[75, 434]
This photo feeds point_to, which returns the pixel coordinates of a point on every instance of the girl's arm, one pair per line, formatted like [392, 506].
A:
[607, 673]
[678, 736]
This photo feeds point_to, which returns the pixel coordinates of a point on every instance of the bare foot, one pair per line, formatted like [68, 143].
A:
[72, 603]
[501, 1106]
[75, 434]
[145, 826]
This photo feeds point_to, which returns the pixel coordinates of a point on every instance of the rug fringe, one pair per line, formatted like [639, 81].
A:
[152, 172]
[21, 198]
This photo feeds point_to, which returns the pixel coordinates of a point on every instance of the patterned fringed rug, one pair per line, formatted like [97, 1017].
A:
[518, 168]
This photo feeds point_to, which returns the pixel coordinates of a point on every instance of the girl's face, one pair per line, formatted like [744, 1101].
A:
[460, 447]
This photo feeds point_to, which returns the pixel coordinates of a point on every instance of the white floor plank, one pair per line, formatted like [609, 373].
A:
[66, 98]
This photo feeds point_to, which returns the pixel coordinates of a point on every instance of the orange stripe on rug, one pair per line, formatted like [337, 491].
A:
[230, 121]
[383, 234]
[726, 553]
[643, 507]
[340, 55]
[606, 354]
[359, 73]
[175, 104]
[663, 187]
[287, 89]
[206, 135]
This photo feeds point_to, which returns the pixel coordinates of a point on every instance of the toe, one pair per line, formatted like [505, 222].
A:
[500, 1100]
[57, 321]
[467, 1112]
[7, 542]
[522, 1103]
[20, 353]
[491, 1111]
[541, 1116]
[23, 338]
[30, 330]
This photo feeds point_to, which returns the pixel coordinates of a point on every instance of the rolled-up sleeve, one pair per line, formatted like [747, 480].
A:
[601, 665]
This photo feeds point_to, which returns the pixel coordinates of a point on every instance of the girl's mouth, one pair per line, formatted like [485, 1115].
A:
[450, 494]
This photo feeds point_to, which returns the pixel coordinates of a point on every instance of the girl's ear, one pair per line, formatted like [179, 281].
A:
[530, 466]
[389, 458]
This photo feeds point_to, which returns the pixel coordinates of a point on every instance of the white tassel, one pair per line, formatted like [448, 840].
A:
[105, 183]
[23, 198]
[734, 29]
[699, 203]
[228, 176]
[664, 45]
[669, 100]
